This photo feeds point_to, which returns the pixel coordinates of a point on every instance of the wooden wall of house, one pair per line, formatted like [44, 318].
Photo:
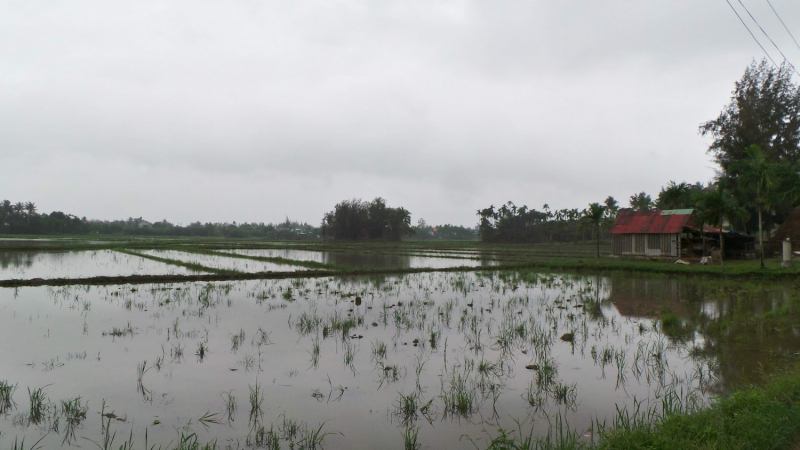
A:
[645, 244]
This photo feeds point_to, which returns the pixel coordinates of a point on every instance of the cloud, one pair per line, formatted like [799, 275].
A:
[440, 106]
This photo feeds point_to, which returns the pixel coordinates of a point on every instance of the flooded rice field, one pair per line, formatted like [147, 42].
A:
[222, 262]
[80, 264]
[440, 359]
[372, 260]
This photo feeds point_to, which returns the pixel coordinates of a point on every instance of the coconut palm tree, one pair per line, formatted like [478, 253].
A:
[675, 196]
[30, 208]
[757, 178]
[713, 207]
[595, 216]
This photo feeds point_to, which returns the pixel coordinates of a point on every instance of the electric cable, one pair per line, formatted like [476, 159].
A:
[782, 23]
[770, 39]
[751, 33]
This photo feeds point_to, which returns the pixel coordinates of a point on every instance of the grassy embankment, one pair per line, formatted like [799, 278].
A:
[763, 417]
[189, 265]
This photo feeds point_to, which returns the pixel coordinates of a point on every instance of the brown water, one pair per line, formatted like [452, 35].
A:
[475, 332]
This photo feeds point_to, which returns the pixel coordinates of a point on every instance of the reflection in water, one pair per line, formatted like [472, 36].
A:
[734, 323]
[17, 259]
[79, 264]
[448, 353]
[373, 259]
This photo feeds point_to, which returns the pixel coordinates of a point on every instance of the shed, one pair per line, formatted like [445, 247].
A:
[650, 233]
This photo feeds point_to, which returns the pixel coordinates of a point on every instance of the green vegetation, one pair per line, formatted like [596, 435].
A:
[765, 417]
[357, 219]
[22, 219]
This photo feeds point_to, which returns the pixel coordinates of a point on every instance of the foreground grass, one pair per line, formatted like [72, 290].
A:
[763, 417]
[766, 417]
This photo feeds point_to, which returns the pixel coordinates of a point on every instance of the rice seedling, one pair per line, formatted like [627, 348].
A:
[38, 407]
[6, 396]
[312, 438]
[189, 442]
[406, 407]
[410, 439]
[338, 388]
[177, 352]
[263, 438]
[74, 411]
[388, 374]
[230, 405]
[289, 428]
[141, 369]
[349, 354]
[315, 351]
[236, 340]
[248, 362]
[202, 351]
[256, 402]
[565, 394]
[546, 373]
[208, 419]
[262, 337]
[308, 323]
[20, 445]
[379, 350]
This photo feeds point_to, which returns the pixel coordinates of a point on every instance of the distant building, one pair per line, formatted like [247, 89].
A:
[655, 233]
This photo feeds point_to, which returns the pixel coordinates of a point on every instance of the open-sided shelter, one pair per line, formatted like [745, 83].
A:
[655, 233]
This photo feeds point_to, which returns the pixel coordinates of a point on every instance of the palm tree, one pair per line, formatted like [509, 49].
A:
[675, 196]
[595, 216]
[641, 202]
[612, 205]
[757, 178]
[30, 207]
[713, 207]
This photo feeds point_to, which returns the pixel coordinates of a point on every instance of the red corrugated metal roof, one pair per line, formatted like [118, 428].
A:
[650, 222]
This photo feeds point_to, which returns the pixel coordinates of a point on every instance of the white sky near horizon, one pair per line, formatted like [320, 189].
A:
[253, 111]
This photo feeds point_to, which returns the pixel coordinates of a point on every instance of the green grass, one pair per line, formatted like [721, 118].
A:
[755, 417]
[6, 396]
[765, 417]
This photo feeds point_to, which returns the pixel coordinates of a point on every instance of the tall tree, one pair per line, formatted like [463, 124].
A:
[757, 180]
[675, 196]
[765, 111]
[641, 202]
[612, 206]
[714, 207]
[594, 216]
[30, 209]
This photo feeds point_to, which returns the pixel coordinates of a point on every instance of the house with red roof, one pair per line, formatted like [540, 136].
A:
[655, 233]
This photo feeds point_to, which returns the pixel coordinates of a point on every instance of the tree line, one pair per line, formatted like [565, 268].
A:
[23, 218]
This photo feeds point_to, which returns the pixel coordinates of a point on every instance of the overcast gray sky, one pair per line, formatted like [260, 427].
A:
[253, 111]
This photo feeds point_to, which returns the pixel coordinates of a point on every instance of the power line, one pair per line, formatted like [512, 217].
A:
[782, 23]
[770, 39]
[751, 33]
